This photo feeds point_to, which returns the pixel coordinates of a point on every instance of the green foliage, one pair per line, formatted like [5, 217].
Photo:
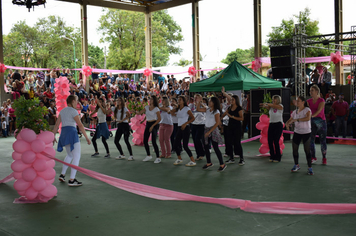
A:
[266, 99]
[136, 106]
[244, 55]
[286, 31]
[182, 62]
[125, 31]
[96, 56]
[212, 72]
[30, 115]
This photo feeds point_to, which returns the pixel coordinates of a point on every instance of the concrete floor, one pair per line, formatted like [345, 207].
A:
[100, 209]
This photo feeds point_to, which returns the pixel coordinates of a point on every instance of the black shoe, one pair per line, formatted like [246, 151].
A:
[221, 169]
[230, 161]
[74, 183]
[206, 166]
[241, 162]
[61, 178]
[107, 155]
[95, 154]
[111, 134]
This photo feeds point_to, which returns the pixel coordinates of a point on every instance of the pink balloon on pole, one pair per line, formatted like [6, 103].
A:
[47, 174]
[31, 193]
[260, 125]
[40, 165]
[50, 151]
[264, 119]
[21, 146]
[51, 163]
[282, 146]
[41, 156]
[263, 149]
[49, 181]
[50, 191]
[19, 166]
[39, 184]
[29, 174]
[46, 136]
[21, 185]
[281, 150]
[265, 131]
[17, 175]
[264, 139]
[28, 135]
[21, 193]
[28, 157]
[16, 156]
[38, 145]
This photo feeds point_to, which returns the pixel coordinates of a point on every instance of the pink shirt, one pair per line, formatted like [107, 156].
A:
[314, 107]
[301, 127]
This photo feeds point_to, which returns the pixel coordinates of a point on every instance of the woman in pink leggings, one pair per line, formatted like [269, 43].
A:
[165, 128]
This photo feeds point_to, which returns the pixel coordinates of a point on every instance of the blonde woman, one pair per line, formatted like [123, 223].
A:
[275, 128]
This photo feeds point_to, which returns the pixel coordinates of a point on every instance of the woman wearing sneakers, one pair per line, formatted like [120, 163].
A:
[302, 130]
[211, 131]
[165, 128]
[153, 117]
[318, 122]
[70, 118]
[102, 129]
[122, 115]
[198, 127]
[185, 117]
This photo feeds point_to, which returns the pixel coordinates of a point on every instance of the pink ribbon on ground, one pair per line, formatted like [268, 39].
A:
[245, 205]
[328, 137]
[95, 129]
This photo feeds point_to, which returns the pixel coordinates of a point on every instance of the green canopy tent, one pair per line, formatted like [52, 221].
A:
[234, 77]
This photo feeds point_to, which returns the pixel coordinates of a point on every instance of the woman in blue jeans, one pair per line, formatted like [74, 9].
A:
[53, 80]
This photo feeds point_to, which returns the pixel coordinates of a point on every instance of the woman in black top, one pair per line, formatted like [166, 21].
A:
[234, 130]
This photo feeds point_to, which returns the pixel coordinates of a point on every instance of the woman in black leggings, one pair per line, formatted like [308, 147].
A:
[185, 117]
[122, 115]
[153, 117]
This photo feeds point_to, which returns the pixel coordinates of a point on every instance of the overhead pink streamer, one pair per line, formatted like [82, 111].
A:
[245, 205]
[328, 137]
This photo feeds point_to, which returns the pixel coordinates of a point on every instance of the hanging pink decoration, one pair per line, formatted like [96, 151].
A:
[336, 57]
[192, 71]
[87, 70]
[2, 68]
[138, 129]
[147, 72]
[256, 64]
[62, 92]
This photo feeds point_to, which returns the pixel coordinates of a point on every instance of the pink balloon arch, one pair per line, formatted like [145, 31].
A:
[33, 171]
[263, 126]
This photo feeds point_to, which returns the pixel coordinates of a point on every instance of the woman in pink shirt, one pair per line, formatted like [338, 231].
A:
[318, 122]
[301, 118]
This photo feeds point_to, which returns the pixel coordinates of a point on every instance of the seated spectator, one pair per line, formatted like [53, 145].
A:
[49, 94]
[330, 96]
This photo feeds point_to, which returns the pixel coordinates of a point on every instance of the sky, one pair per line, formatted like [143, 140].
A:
[225, 25]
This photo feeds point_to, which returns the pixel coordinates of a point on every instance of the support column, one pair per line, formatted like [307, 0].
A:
[148, 41]
[195, 31]
[84, 34]
[257, 29]
[2, 80]
[339, 67]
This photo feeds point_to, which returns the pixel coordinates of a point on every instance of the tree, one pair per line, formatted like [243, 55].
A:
[96, 56]
[125, 31]
[286, 31]
[244, 56]
[182, 62]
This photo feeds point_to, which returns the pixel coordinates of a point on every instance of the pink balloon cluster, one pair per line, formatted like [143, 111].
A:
[2, 68]
[256, 64]
[147, 72]
[192, 71]
[33, 171]
[263, 126]
[138, 129]
[61, 89]
[336, 57]
[87, 70]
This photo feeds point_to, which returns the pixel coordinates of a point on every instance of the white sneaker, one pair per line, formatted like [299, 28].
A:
[157, 161]
[130, 158]
[120, 157]
[177, 162]
[147, 158]
[191, 164]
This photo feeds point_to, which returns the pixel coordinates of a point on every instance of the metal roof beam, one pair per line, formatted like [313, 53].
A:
[162, 6]
[110, 4]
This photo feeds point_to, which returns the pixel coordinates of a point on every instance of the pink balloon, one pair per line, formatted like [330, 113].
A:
[136, 135]
[38, 145]
[29, 174]
[56, 85]
[46, 136]
[17, 175]
[40, 165]
[138, 140]
[21, 185]
[41, 156]
[284, 125]
[28, 157]
[28, 135]
[264, 139]
[281, 150]
[21, 146]
[51, 163]
[264, 131]
[39, 184]
[19, 166]
[50, 151]
[16, 156]
[21, 193]
[50, 191]
[47, 174]
[260, 125]
[263, 149]
[282, 146]
[31, 193]
[264, 119]
[50, 181]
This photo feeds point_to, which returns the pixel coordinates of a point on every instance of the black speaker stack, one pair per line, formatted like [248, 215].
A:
[282, 62]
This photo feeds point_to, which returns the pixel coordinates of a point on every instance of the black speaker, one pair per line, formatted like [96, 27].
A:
[282, 62]
[283, 72]
[285, 94]
[256, 97]
[281, 51]
[252, 128]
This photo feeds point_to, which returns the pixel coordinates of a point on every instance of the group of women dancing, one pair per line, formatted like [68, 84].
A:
[174, 120]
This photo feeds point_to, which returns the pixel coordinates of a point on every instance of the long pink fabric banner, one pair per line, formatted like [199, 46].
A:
[245, 205]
